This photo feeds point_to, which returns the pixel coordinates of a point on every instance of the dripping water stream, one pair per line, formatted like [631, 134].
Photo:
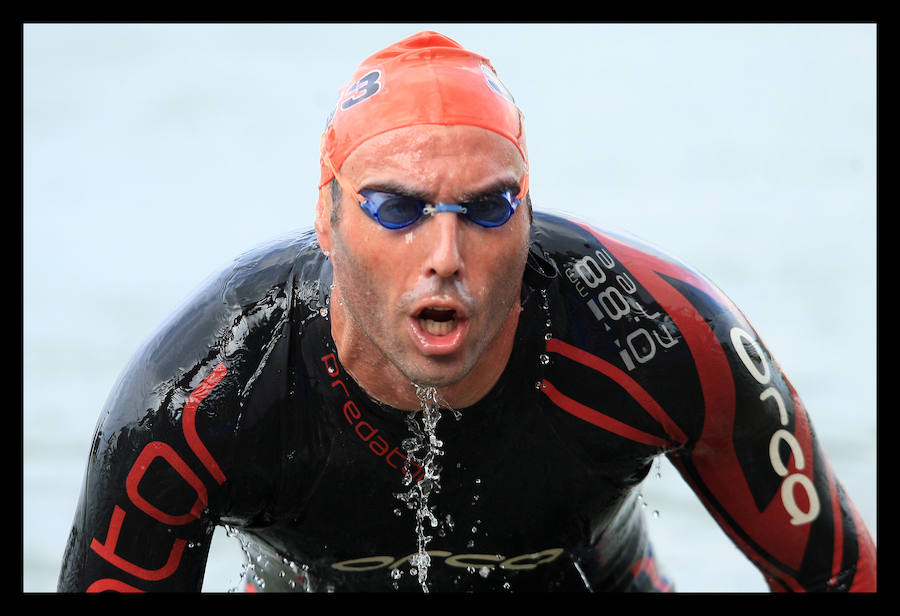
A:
[424, 449]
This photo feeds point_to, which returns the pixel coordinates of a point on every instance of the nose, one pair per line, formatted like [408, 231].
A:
[444, 257]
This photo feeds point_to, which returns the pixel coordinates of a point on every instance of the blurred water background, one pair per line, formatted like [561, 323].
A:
[155, 153]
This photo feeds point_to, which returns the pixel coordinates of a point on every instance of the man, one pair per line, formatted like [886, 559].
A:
[441, 389]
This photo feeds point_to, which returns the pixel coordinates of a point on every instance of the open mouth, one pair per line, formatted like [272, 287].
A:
[437, 321]
[439, 330]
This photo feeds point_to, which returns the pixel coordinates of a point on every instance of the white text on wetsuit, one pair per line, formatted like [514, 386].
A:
[763, 376]
[614, 300]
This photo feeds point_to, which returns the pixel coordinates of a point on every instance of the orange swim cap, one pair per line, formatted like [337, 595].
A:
[426, 78]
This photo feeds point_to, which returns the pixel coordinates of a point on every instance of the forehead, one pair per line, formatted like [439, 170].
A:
[437, 159]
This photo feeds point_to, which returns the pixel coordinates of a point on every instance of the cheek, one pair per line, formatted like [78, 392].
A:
[501, 257]
[361, 264]
[500, 272]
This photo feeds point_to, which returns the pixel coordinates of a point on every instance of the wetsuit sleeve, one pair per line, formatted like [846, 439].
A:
[138, 521]
[762, 473]
[161, 467]
[749, 450]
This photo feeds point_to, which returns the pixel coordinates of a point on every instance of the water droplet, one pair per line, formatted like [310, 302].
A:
[548, 336]
[323, 312]
[396, 573]
[656, 514]
[545, 359]
[484, 572]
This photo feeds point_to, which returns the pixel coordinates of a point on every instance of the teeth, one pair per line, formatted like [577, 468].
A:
[437, 328]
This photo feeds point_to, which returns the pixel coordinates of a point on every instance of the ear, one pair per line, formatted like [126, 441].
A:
[323, 219]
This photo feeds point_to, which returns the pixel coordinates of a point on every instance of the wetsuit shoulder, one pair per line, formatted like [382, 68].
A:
[621, 307]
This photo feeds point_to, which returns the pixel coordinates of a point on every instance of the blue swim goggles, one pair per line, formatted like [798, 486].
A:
[395, 211]
[399, 211]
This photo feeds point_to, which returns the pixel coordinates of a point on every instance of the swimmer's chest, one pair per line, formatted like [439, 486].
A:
[512, 484]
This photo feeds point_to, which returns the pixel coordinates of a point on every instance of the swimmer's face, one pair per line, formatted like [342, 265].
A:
[430, 298]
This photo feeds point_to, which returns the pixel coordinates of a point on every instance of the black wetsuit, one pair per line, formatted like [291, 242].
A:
[237, 412]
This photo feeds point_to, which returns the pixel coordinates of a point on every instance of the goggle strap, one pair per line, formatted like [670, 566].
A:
[345, 184]
[524, 189]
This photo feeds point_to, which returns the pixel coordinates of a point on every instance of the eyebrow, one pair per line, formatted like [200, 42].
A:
[398, 188]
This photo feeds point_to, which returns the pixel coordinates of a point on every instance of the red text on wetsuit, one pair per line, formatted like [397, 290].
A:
[152, 451]
[366, 432]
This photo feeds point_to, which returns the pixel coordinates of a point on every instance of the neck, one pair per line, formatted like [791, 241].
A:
[383, 381]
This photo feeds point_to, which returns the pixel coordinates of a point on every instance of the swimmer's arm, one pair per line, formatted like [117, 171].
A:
[763, 475]
[140, 524]
[153, 473]
[185, 442]
[750, 454]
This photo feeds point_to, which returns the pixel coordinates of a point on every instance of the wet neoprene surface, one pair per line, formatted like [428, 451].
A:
[237, 411]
